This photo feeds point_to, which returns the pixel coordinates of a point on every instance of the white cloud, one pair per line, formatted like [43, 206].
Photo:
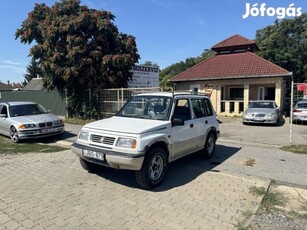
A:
[14, 69]
[11, 62]
[165, 3]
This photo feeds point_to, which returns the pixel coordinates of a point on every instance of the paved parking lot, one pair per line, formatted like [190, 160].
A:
[233, 131]
[52, 191]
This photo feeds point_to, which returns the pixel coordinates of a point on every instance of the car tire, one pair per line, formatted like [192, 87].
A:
[14, 135]
[153, 169]
[209, 148]
[90, 167]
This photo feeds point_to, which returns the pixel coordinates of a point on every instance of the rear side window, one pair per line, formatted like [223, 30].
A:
[208, 107]
[198, 108]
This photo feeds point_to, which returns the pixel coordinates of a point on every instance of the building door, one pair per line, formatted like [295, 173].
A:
[261, 93]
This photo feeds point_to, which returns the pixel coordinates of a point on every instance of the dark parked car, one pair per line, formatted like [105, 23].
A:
[25, 120]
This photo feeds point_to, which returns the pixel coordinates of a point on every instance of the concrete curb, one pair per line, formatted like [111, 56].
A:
[248, 221]
[248, 143]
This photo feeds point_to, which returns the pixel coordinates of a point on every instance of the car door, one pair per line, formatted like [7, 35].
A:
[3, 120]
[201, 120]
[183, 135]
[209, 118]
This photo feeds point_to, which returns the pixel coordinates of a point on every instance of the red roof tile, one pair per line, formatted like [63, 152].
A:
[234, 65]
[235, 40]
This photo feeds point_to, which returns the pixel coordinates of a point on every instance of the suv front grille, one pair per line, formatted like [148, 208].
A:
[102, 139]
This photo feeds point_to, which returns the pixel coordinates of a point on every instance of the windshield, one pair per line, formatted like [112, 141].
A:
[258, 105]
[302, 105]
[25, 110]
[147, 107]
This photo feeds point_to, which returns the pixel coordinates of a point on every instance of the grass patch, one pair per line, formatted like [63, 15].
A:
[271, 198]
[257, 191]
[8, 147]
[78, 121]
[301, 149]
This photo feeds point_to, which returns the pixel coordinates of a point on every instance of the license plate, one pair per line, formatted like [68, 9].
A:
[258, 119]
[47, 130]
[93, 154]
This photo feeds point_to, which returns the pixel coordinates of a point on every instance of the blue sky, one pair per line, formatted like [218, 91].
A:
[166, 31]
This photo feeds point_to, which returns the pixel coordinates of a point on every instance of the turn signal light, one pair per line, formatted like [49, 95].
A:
[133, 144]
[22, 127]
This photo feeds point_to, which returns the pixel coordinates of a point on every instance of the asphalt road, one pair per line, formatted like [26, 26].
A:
[252, 150]
[233, 131]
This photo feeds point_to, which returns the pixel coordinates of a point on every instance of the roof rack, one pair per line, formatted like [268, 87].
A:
[189, 92]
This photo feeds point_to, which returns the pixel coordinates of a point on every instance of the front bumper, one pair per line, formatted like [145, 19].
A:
[39, 133]
[113, 159]
[260, 120]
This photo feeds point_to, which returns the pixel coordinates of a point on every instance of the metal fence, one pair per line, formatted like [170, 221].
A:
[50, 100]
[97, 105]
[109, 101]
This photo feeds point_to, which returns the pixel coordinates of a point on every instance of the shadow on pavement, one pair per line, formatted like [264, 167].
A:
[179, 173]
[66, 136]
[300, 122]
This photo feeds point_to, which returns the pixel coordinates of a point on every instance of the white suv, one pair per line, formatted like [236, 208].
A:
[149, 132]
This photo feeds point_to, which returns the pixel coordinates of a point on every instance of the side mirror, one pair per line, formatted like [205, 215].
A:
[3, 116]
[177, 122]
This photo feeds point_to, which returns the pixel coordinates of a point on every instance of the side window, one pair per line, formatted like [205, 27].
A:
[3, 109]
[182, 110]
[198, 108]
[208, 107]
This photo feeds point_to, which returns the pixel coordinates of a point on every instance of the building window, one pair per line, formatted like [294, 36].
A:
[195, 88]
[236, 93]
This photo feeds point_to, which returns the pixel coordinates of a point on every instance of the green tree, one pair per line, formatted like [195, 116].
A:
[33, 71]
[149, 63]
[78, 48]
[285, 44]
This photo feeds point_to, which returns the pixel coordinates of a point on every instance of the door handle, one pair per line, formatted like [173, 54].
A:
[206, 122]
[191, 125]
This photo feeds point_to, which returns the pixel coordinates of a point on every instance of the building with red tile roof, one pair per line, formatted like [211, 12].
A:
[235, 76]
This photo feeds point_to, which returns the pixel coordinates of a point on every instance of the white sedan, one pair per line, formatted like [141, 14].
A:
[26, 120]
[261, 112]
[300, 111]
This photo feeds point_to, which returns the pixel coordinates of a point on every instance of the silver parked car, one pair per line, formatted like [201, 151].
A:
[262, 111]
[25, 120]
[300, 111]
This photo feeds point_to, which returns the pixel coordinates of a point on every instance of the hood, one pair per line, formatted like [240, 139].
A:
[35, 118]
[127, 125]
